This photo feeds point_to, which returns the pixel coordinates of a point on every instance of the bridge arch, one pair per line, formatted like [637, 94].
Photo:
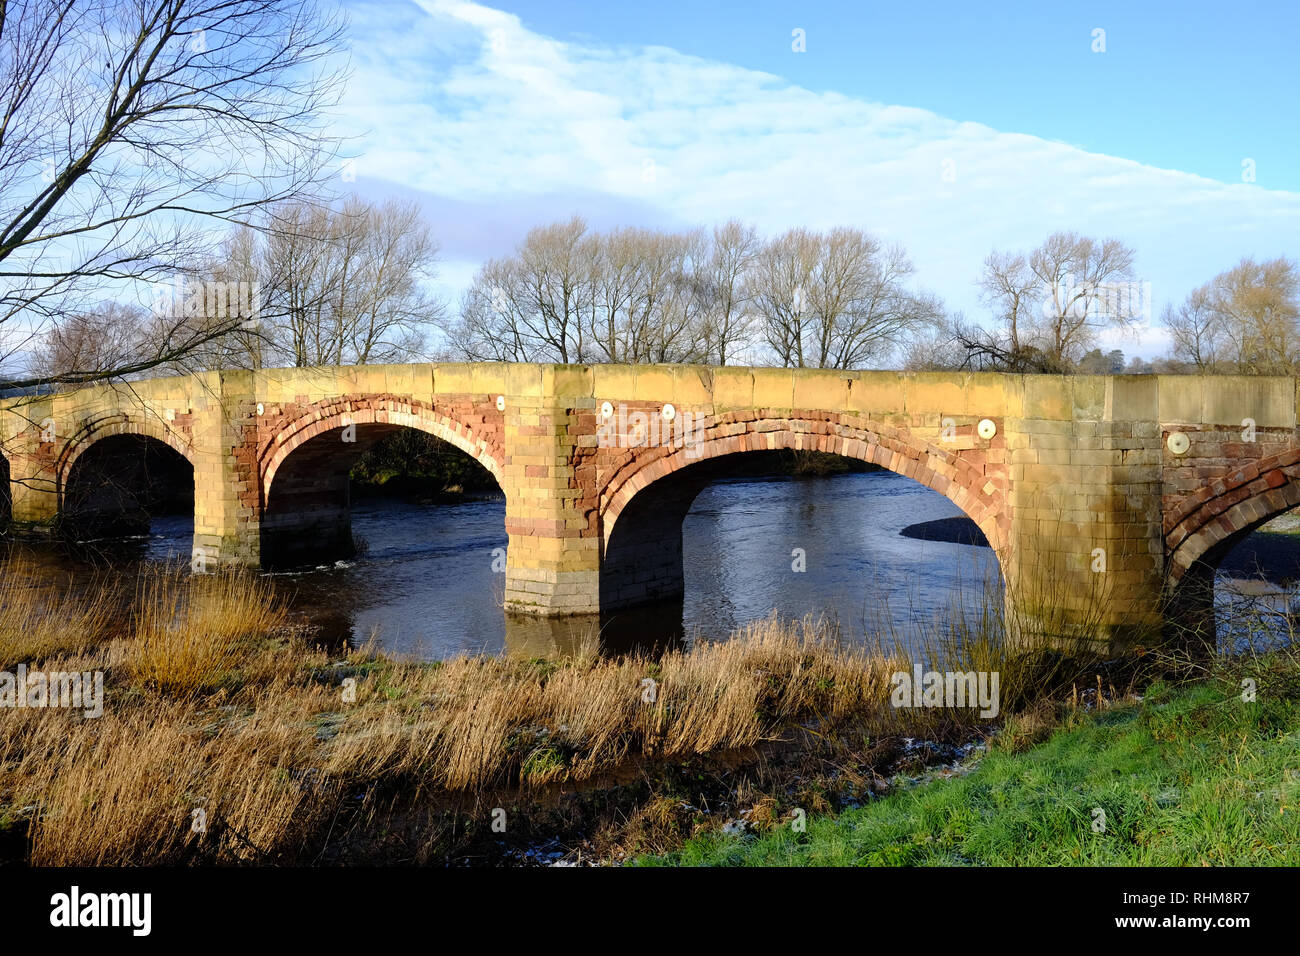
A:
[650, 490]
[119, 472]
[1207, 523]
[121, 423]
[946, 471]
[1205, 526]
[322, 417]
[305, 468]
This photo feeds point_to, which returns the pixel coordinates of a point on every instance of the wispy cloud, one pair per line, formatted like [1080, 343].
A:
[499, 128]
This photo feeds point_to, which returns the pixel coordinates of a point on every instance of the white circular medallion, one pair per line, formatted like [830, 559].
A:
[987, 428]
[261, 409]
[501, 403]
[669, 412]
[606, 410]
[1178, 443]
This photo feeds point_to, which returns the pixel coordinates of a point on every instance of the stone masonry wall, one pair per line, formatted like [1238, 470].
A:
[1093, 513]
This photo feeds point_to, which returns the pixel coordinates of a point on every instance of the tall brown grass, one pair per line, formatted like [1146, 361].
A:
[38, 618]
[213, 705]
[191, 632]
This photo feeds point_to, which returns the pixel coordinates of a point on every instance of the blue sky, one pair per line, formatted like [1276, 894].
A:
[1194, 86]
[950, 129]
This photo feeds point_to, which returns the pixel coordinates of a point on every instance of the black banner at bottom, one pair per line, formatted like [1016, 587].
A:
[230, 906]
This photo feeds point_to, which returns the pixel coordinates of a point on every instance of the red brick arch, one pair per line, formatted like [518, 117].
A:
[1237, 502]
[964, 476]
[479, 438]
[174, 435]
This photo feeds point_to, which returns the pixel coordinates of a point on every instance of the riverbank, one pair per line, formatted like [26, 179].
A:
[1194, 775]
[227, 736]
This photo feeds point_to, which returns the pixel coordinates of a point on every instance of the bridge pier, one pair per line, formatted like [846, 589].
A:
[227, 490]
[33, 480]
[553, 557]
[1085, 553]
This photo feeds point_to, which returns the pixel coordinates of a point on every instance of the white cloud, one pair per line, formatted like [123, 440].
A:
[501, 128]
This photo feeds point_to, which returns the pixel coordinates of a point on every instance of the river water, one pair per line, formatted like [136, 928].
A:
[427, 583]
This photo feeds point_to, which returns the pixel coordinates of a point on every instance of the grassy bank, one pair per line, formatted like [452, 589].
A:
[1186, 776]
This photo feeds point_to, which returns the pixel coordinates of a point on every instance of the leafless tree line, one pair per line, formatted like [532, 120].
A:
[1245, 320]
[836, 299]
[1050, 305]
[319, 285]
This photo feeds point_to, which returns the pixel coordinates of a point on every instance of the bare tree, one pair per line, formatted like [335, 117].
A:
[1007, 286]
[836, 300]
[1048, 306]
[936, 349]
[983, 349]
[570, 295]
[129, 127]
[1245, 319]
[668, 301]
[783, 273]
[300, 277]
[618, 275]
[335, 286]
[492, 322]
[392, 313]
[1197, 332]
[226, 337]
[1074, 274]
[105, 338]
[728, 323]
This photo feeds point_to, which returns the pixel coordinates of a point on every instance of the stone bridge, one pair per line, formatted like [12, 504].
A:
[1105, 497]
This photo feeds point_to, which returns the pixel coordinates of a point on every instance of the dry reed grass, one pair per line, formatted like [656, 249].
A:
[212, 705]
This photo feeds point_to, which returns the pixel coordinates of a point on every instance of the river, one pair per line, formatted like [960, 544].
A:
[425, 583]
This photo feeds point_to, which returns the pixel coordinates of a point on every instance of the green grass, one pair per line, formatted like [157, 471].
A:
[1188, 776]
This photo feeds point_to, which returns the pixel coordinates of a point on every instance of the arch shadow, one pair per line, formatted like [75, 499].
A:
[116, 484]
